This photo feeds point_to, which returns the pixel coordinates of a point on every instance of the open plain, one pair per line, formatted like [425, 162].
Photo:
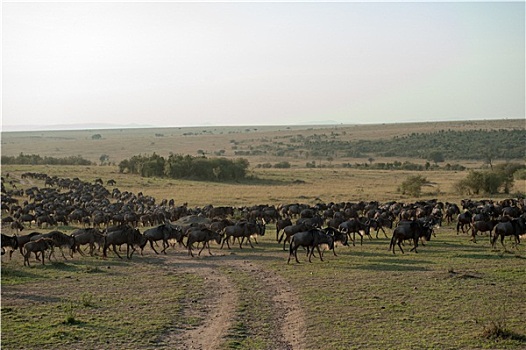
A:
[452, 294]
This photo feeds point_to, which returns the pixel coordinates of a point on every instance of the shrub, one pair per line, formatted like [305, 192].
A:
[413, 185]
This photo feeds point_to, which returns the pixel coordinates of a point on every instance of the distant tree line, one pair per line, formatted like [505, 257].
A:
[436, 147]
[35, 159]
[178, 166]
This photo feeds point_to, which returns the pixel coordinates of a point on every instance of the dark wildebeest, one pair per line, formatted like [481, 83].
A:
[257, 228]
[88, 236]
[337, 236]
[9, 241]
[452, 211]
[45, 219]
[288, 231]
[464, 219]
[379, 223]
[123, 234]
[201, 234]
[38, 246]
[163, 232]
[240, 230]
[311, 239]
[23, 239]
[410, 230]
[355, 226]
[482, 226]
[280, 225]
[60, 240]
[514, 227]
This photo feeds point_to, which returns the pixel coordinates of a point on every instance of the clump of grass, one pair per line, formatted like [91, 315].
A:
[91, 269]
[70, 313]
[86, 300]
[497, 330]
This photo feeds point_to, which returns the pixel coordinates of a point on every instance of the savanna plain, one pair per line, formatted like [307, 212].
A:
[452, 294]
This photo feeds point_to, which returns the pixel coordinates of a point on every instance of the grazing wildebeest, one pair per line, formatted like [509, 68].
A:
[60, 240]
[464, 219]
[355, 226]
[337, 236]
[514, 227]
[47, 219]
[9, 241]
[38, 246]
[203, 234]
[482, 226]
[163, 232]
[88, 236]
[310, 239]
[410, 230]
[123, 234]
[29, 218]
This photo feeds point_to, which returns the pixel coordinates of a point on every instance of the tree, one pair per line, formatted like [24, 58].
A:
[96, 137]
[436, 156]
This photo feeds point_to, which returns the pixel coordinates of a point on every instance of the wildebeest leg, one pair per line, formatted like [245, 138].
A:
[115, 251]
[151, 245]
[227, 238]
[415, 245]
[204, 246]
[189, 246]
[80, 251]
[319, 252]
[132, 250]
[400, 246]
[248, 239]
[165, 246]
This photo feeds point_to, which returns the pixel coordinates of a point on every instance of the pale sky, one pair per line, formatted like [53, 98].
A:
[174, 64]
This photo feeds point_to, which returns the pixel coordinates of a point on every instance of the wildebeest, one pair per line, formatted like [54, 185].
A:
[163, 232]
[410, 230]
[38, 246]
[514, 227]
[452, 210]
[204, 235]
[9, 241]
[23, 239]
[337, 236]
[60, 240]
[288, 231]
[240, 230]
[47, 219]
[280, 225]
[88, 236]
[355, 226]
[482, 226]
[464, 219]
[311, 240]
[123, 234]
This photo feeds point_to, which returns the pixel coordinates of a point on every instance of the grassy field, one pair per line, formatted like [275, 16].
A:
[447, 296]
[452, 294]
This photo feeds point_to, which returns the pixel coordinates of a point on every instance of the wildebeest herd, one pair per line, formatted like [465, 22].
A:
[111, 219]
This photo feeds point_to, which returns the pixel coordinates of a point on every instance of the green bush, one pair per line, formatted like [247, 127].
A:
[413, 185]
